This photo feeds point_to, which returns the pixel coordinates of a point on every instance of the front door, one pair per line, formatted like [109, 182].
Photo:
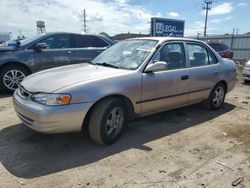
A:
[169, 88]
[57, 54]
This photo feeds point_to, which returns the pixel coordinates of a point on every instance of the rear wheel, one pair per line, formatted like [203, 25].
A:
[216, 97]
[11, 76]
[107, 121]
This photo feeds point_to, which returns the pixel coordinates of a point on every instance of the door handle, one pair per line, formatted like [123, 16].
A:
[99, 51]
[216, 72]
[184, 77]
[69, 52]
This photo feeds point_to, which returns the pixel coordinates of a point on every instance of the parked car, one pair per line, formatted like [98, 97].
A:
[133, 78]
[222, 49]
[47, 51]
[246, 72]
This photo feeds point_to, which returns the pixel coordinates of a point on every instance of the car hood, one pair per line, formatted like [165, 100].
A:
[57, 78]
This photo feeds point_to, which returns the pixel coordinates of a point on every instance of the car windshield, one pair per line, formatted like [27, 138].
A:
[28, 40]
[127, 54]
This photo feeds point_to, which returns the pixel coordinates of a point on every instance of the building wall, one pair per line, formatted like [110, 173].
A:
[240, 44]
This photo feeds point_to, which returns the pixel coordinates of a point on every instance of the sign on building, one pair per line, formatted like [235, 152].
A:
[167, 27]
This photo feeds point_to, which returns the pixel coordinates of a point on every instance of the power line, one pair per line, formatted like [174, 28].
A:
[207, 7]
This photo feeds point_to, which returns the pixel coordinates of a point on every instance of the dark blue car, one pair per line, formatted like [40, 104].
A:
[47, 51]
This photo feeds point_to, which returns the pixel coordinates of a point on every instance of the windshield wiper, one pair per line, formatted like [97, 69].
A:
[108, 65]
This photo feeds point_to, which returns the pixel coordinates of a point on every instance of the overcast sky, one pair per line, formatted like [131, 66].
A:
[121, 16]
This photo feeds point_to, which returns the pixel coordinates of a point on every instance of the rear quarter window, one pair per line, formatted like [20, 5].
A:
[216, 47]
[219, 47]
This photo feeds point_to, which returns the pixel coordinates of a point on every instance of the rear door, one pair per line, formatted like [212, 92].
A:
[204, 71]
[87, 47]
[167, 88]
[57, 54]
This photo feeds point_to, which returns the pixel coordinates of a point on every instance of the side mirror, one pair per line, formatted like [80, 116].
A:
[40, 46]
[157, 66]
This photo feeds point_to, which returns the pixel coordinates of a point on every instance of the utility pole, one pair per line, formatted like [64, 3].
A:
[206, 7]
[83, 20]
[232, 39]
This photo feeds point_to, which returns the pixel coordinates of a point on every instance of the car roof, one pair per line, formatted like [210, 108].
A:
[165, 39]
[107, 39]
[89, 34]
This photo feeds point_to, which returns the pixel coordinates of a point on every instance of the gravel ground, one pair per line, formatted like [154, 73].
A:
[187, 147]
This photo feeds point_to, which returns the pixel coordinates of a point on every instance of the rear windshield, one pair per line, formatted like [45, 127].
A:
[219, 47]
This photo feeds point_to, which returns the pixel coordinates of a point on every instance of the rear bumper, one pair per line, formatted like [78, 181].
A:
[50, 119]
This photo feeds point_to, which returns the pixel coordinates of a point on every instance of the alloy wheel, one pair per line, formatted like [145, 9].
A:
[114, 122]
[13, 78]
[218, 96]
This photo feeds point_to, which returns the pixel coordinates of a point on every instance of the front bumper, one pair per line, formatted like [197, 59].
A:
[50, 119]
[246, 73]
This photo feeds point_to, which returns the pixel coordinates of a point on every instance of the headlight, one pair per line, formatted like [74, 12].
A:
[51, 99]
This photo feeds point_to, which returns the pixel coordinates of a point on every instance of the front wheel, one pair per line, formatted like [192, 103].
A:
[107, 121]
[216, 97]
[11, 76]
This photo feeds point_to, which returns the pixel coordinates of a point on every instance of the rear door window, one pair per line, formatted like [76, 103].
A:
[86, 41]
[199, 55]
[98, 42]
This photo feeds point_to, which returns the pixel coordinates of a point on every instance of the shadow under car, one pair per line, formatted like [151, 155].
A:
[28, 154]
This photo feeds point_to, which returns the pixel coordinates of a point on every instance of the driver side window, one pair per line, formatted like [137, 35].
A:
[50, 42]
[57, 41]
[173, 54]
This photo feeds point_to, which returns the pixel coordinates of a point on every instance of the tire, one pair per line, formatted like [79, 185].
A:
[216, 97]
[11, 76]
[107, 121]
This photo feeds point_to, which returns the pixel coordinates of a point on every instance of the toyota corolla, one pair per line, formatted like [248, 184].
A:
[133, 78]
